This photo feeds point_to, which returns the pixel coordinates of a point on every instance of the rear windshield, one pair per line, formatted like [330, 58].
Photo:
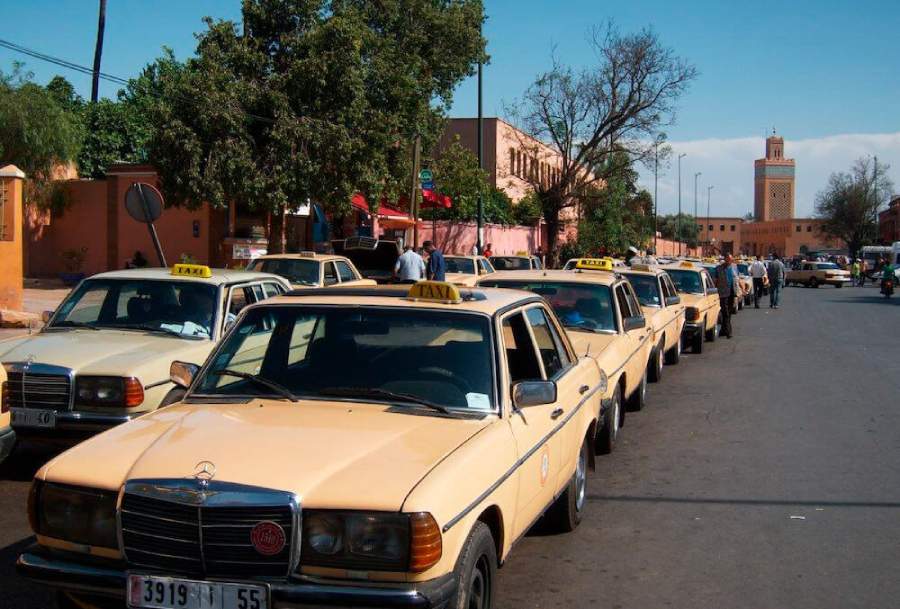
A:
[510, 263]
[686, 281]
[647, 289]
[578, 305]
[457, 264]
[304, 272]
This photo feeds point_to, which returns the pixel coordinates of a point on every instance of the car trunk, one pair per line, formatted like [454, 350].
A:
[375, 259]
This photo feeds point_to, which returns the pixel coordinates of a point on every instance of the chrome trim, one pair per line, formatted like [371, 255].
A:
[157, 384]
[519, 462]
[29, 367]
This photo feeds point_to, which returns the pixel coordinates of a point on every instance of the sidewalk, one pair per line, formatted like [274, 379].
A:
[40, 295]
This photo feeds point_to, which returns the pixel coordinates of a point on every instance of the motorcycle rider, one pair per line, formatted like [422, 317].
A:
[887, 277]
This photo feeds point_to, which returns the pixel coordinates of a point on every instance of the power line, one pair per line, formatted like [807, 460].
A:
[58, 61]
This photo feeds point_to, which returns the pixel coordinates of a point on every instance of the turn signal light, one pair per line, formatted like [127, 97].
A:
[692, 314]
[134, 392]
[425, 544]
[4, 398]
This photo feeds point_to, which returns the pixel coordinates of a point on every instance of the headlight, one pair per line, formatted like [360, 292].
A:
[108, 391]
[370, 541]
[692, 313]
[76, 514]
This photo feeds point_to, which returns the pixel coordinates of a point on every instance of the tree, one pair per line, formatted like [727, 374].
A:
[310, 99]
[36, 133]
[749, 216]
[114, 132]
[848, 206]
[679, 227]
[575, 120]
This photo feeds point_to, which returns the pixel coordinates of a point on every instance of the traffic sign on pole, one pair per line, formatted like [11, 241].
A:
[428, 185]
[426, 176]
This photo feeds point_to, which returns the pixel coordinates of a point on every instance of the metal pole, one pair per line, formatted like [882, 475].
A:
[655, 194]
[480, 157]
[153, 236]
[696, 175]
[708, 196]
[414, 190]
[678, 218]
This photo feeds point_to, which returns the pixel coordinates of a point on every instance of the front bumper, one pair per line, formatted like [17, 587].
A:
[109, 582]
[74, 424]
[7, 441]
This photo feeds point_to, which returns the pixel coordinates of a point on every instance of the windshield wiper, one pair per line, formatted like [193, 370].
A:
[255, 378]
[372, 392]
[149, 328]
[73, 324]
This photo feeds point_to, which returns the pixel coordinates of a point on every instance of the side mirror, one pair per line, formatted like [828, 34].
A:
[712, 291]
[46, 315]
[183, 373]
[635, 323]
[673, 300]
[534, 393]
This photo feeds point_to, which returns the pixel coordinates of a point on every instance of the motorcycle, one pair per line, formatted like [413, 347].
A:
[887, 287]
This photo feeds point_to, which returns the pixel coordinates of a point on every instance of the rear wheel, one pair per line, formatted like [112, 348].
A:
[713, 333]
[606, 438]
[813, 282]
[565, 513]
[638, 399]
[673, 355]
[655, 366]
[476, 571]
[697, 340]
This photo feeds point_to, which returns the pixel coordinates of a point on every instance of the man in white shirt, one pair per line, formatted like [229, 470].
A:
[758, 272]
[410, 267]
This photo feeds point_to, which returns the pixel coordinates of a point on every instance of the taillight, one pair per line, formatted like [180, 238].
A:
[134, 392]
[4, 398]
[425, 544]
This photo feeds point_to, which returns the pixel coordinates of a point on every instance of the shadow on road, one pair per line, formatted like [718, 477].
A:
[16, 592]
[870, 300]
[25, 460]
[722, 501]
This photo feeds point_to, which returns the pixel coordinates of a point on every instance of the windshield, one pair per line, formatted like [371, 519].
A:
[828, 265]
[442, 357]
[647, 288]
[578, 305]
[510, 263]
[456, 264]
[687, 282]
[174, 307]
[743, 269]
[305, 272]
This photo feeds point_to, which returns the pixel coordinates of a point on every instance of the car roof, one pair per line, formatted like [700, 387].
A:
[219, 276]
[480, 300]
[309, 256]
[573, 276]
[683, 266]
[652, 271]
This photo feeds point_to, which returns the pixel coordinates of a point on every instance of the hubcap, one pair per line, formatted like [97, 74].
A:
[580, 480]
[479, 589]
[614, 422]
[659, 360]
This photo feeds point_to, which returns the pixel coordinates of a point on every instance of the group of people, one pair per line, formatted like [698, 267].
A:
[729, 288]
[412, 266]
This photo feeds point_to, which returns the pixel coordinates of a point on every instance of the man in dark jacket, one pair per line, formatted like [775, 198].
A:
[776, 281]
[436, 268]
[728, 285]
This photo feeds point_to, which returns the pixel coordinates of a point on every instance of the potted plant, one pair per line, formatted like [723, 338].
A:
[73, 261]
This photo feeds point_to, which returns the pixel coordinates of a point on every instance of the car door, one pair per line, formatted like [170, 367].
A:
[631, 339]
[237, 297]
[673, 332]
[345, 273]
[537, 447]
[642, 335]
[712, 303]
[329, 274]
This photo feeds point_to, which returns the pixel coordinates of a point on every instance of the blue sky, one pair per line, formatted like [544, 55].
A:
[825, 73]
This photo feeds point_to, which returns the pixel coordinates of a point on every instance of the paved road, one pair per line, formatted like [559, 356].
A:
[764, 474]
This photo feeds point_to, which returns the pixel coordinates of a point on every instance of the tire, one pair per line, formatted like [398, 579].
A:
[813, 282]
[638, 399]
[174, 395]
[673, 355]
[712, 335]
[839, 285]
[565, 514]
[655, 365]
[697, 341]
[609, 432]
[476, 571]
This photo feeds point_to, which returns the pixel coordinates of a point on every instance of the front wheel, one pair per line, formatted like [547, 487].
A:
[638, 399]
[606, 437]
[476, 571]
[655, 366]
[813, 282]
[673, 355]
[565, 513]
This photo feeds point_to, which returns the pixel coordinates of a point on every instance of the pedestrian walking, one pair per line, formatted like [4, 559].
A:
[863, 269]
[854, 272]
[436, 268]
[728, 286]
[758, 273]
[488, 250]
[776, 281]
[410, 267]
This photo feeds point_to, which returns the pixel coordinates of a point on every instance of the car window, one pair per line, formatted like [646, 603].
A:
[688, 282]
[273, 289]
[485, 266]
[633, 301]
[578, 305]
[457, 264]
[344, 271]
[622, 300]
[240, 298]
[521, 358]
[536, 262]
[304, 272]
[510, 263]
[647, 288]
[553, 355]
[330, 274]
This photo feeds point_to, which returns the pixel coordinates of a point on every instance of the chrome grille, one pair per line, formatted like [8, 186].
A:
[196, 533]
[38, 390]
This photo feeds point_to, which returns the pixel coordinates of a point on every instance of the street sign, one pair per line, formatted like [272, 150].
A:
[145, 204]
[426, 176]
[428, 185]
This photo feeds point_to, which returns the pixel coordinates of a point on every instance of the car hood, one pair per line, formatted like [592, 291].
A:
[104, 351]
[463, 279]
[330, 454]
[593, 345]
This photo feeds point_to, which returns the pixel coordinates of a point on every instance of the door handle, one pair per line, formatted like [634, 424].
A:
[556, 413]
[583, 389]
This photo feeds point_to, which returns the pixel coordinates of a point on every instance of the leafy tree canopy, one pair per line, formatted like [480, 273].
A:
[679, 227]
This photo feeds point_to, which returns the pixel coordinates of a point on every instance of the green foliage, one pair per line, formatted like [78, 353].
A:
[527, 211]
[673, 226]
[308, 99]
[114, 132]
[37, 133]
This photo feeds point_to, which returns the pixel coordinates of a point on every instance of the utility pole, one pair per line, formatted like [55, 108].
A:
[414, 189]
[480, 243]
[678, 218]
[655, 193]
[708, 196]
[98, 52]
[696, 175]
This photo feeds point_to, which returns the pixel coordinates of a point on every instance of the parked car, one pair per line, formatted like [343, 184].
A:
[467, 270]
[519, 262]
[311, 270]
[374, 258]
[814, 274]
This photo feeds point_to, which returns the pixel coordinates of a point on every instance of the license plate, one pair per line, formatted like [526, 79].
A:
[152, 592]
[29, 417]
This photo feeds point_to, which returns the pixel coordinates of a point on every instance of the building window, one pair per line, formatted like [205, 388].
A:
[808, 228]
[722, 227]
[799, 228]
[512, 161]
[710, 227]
[732, 228]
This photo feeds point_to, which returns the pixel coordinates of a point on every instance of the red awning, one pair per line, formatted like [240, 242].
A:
[435, 199]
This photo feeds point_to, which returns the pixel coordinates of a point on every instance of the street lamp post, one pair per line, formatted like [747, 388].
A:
[708, 196]
[696, 175]
[655, 193]
[678, 219]
[480, 236]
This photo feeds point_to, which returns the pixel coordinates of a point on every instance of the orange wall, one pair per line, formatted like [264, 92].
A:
[11, 251]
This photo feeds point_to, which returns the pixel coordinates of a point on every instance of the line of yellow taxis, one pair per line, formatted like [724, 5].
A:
[337, 446]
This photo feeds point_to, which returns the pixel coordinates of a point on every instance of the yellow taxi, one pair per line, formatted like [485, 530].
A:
[311, 270]
[603, 318]
[467, 270]
[7, 435]
[701, 300]
[367, 447]
[518, 262]
[664, 312]
[103, 357]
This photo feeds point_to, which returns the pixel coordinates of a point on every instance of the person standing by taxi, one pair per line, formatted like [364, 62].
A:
[776, 281]
[437, 268]
[863, 269]
[758, 273]
[410, 267]
[854, 271]
[728, 286]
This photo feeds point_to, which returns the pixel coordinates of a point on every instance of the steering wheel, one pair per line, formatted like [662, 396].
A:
[446, 375]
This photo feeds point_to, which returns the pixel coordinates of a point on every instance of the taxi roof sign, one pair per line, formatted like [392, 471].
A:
[641, 267]
[192, 270]
[435, 291]
[307, 254]
[595, 264]
[687, 264]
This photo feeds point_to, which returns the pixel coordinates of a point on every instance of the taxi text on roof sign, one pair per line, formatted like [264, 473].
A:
[595, 264]
[435, 291]
[192, 270]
